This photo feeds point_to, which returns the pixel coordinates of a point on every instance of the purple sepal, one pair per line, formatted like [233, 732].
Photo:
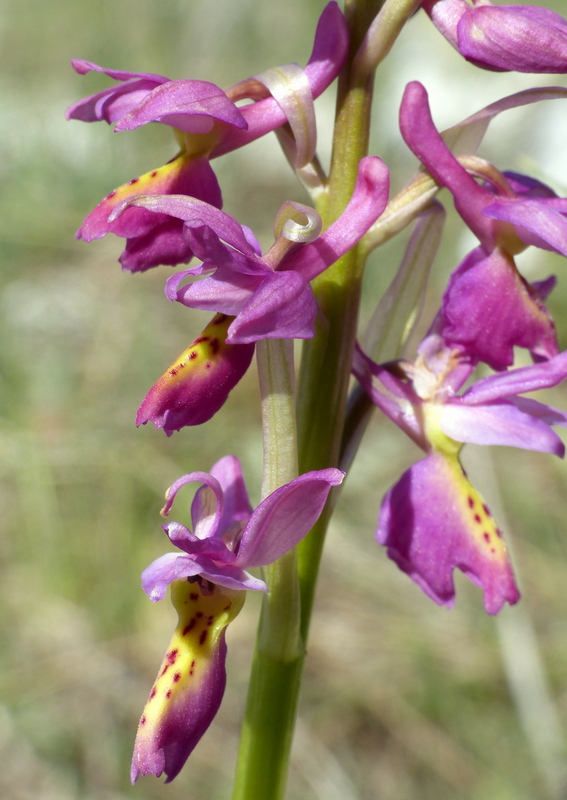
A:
[433, 521]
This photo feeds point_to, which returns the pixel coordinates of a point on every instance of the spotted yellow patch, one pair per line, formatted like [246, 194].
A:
[201, 355]
[202, 618]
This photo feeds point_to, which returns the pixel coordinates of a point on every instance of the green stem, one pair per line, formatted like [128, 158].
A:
[276, 669]
[326, 359]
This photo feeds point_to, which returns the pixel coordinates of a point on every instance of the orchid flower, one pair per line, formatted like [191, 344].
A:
[208, 579]
[268, 295]
[433, 520]
[506, 216]
[207, 123]
[500, 38]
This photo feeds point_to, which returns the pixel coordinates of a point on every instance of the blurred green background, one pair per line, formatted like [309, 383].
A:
[402, 700]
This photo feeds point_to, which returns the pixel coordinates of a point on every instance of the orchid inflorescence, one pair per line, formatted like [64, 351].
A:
[306, 286]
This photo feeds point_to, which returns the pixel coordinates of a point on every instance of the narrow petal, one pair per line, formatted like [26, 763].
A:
[188, 105]
[228, 472]
[466, 136]
[534, 216]
[192, 209]
[191, 681]
[392, 396]
[433, 521]
[518, 381]
[498, 424]
[180, 566]
[197, 384]
[285, 517]
[112, 103]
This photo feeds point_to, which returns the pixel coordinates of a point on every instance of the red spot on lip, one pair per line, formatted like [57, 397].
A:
[154, 173]
[486, 509]
[143, 720]
[199, 614]
[189, 627]
[215, 346]
[172, 656]
[194, 596]
[200, 339]
[477, 519]
[203, 637]
[152, 693]
[486, 537]
[168, 694]
[193, 355]
[177, 677]
[109, 196]
[470, 501]
[164, 670]
[134, 180]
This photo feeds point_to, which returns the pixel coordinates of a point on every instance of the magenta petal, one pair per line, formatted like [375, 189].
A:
[519, 38]
[518, 381]
[191, 209]
[433, 521]
[165, 569]
[489, 309]
[285, 517]
[153, 238]
[423, 139]
[185, 104]
[178, 566]
[282, 307]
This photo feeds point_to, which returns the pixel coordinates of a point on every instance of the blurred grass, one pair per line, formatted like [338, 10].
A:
[402, 700]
